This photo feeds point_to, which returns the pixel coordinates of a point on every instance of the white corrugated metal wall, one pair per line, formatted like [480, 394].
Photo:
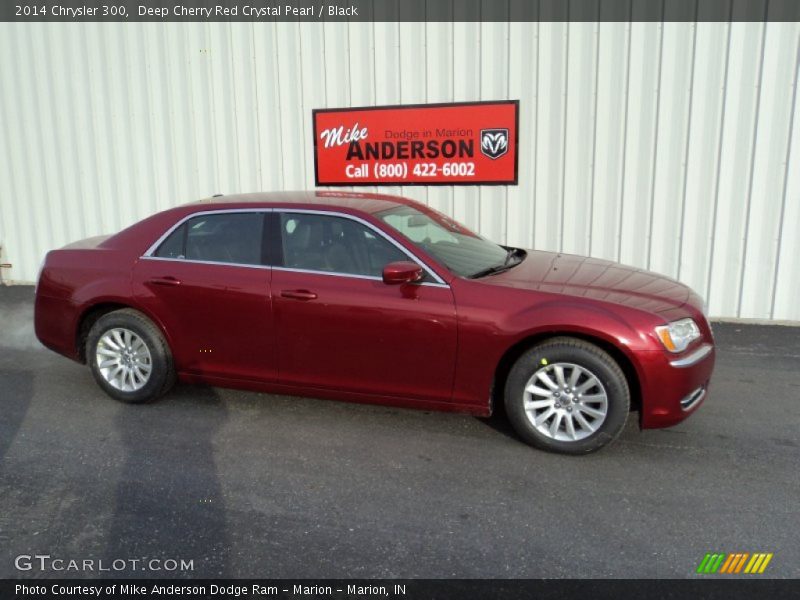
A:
[669, 146]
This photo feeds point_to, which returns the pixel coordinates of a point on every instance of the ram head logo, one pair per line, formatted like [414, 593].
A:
[494, 142]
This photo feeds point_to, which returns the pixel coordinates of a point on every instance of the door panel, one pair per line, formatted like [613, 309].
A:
[361, 335]
[219, 317]
[340, 327]
[207, 283]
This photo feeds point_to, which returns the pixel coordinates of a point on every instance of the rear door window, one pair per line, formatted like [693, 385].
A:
[232, 238]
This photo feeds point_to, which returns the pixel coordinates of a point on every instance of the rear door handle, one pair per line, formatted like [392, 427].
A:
[168, 280]
[298, 294]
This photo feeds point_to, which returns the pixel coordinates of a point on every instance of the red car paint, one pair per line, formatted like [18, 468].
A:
[441, 347]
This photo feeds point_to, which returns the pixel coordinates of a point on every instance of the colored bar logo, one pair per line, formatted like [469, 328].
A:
[734, 563]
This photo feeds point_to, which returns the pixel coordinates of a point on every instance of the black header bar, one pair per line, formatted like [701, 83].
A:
[33, 11]
[708, 587]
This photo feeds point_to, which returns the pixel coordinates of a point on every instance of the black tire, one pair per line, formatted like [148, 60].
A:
[162, 376]
[587, 356]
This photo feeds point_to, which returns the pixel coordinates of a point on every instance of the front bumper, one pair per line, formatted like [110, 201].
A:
[673, 388]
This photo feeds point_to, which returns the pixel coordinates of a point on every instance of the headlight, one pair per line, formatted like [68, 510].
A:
[677, 336]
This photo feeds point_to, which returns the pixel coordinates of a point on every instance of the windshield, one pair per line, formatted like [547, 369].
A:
[456, 247]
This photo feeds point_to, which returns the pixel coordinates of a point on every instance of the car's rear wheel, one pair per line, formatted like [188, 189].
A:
[129, 357]
[567, 395]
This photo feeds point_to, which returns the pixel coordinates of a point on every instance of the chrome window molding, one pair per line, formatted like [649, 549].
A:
[205, 262]
[149, 252]
[148, 255]
[331, 273]
[352, 275]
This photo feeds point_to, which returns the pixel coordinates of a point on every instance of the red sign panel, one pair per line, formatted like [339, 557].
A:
[427, 144]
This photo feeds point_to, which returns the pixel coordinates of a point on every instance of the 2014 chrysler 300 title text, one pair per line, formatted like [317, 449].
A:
[380, 299]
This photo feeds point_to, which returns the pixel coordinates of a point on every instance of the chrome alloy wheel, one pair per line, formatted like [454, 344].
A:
[123, 359]
[565, 402]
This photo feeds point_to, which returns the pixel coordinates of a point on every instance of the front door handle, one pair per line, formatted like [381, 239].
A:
[298, 294]
[167, 280]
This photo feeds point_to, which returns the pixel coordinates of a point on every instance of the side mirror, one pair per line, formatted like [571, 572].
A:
[402, 271]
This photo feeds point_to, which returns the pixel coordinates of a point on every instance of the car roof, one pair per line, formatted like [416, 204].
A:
[364, 202]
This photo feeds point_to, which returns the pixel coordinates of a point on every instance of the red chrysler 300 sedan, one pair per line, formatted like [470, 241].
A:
[380, 299]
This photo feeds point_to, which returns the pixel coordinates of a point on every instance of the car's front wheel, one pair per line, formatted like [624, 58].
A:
[129, 357]
[567, 395]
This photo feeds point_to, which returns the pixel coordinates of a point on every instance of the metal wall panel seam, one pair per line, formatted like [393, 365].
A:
[382, 73]
[521, 76]
[425, 50]
[324, 69]
[374, 72]
[10, 167]
[624, 139]
[688, 142]
[643, 87]
[50, 121]
[257, 111]
[655, 139]
[493, 199]
[452, 202]
[234, 91]
[781, 223]
[194, 168]
[594, 134]
[164, 125]
[349, 87]
[75, 148]
[715, 208]
[788, 278]
[776, 97]
[33, 151]
[221, 110]
[752, 167]
[565, 112]
[90, 135]
[279, 120]
[439, 88]
[174, 91]
[506, 190]
[167, 120]
[741, 97]
[479, 41]
[301, 100]
[212, 105]
[96, 108]
[50, 158]
[466, 86]
[181, 137]
[536, 128]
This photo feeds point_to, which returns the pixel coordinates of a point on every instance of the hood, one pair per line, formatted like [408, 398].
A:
[594, 278]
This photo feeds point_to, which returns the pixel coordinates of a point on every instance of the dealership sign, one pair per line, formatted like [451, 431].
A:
[466, 143]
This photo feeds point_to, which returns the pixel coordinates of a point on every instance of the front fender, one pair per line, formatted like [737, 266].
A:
[492, 334]
[568, 316]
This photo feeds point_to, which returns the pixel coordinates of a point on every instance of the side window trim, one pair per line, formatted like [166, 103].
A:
[273, 240]
[150, 252]
[437, 281]
[184, 227]
[273, 255]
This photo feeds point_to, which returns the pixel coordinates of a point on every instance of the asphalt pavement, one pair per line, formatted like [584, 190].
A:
[254, 485]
